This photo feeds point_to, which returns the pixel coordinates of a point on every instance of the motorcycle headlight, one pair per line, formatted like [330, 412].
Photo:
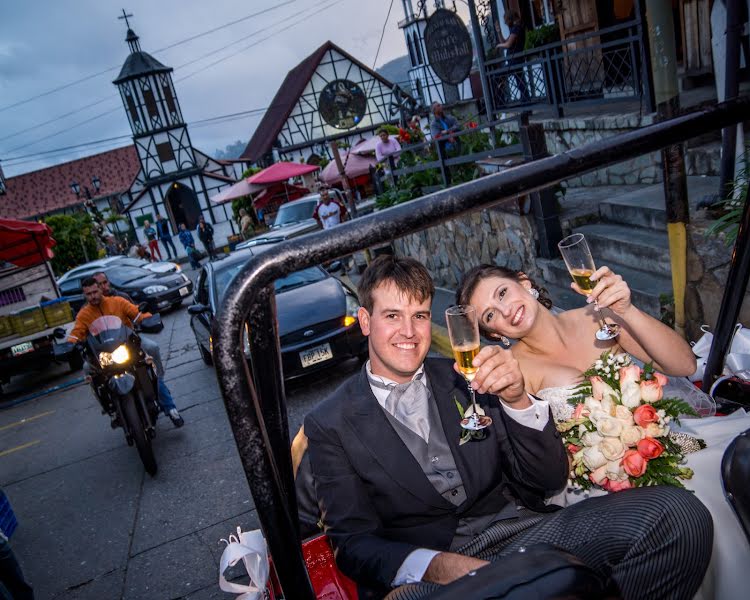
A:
[155, 289]
[352, 307]
[120, 356]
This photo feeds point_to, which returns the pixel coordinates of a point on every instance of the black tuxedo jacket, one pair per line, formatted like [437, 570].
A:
[376, 502]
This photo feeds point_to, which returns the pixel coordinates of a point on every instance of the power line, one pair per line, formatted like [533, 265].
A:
[175, 44]
[382, 34]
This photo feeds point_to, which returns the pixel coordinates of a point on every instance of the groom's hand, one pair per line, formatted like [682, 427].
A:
[447, 567]
[498, 373]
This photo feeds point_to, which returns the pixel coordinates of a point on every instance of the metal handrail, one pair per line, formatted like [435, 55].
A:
[255, 401]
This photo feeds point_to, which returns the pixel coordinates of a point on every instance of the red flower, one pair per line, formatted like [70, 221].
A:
[645, 414]
[471, 125]
[572, 448]
[618, 486]
[649, 448]
[634, 464]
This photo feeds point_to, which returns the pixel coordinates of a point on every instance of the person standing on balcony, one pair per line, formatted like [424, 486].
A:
[513, 46]
[386, 146]
[153, 243]
[165, 236]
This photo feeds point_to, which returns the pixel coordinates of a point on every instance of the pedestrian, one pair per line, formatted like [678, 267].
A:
[186, 238]
[330, 212]
[386, 146]
[513, 46]
[206, 235]
[165, 236]
[153, 243]
[107, 289]
[112, 249]
[442, 127]
[246, 225]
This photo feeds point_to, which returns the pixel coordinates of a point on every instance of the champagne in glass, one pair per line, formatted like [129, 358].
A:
[577, 256]
[463, 331]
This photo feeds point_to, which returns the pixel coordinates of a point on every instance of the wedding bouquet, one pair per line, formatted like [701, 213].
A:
[619, 434]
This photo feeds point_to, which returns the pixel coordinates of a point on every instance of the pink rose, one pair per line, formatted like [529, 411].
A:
[651, 390]
[649, 448]
[630, 374]
[600, 389]
[578, 412]
[572, 448]
[645, 414]
[634, 464]
[599, 476]
[618, 486]
[661, 378]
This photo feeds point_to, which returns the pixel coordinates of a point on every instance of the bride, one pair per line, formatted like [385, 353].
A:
[554, 350]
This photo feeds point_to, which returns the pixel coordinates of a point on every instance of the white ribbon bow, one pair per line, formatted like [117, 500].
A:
[250, 546]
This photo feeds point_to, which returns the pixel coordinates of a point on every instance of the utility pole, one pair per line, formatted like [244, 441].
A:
[662, 44]
[344, 179]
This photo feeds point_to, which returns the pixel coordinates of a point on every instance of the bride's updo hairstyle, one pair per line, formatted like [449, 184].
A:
[475, 275]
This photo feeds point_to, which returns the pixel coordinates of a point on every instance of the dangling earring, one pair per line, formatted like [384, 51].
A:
[534, 292]
[505, 342]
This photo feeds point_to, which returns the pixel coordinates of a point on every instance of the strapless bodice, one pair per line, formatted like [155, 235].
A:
[558, 401]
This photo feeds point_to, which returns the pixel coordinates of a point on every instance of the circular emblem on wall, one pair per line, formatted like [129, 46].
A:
[342, 104]
[448, 46]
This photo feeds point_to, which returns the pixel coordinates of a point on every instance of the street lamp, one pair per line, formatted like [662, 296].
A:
[76, 187]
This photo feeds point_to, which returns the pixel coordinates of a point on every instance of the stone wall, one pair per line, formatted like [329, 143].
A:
[708, 268]
[493, 235]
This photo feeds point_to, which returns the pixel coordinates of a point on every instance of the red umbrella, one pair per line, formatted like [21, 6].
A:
[24, 243]
[280, 172]
[355, 165]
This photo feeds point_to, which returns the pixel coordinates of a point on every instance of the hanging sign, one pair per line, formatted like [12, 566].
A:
[448, 46]
[342, 104]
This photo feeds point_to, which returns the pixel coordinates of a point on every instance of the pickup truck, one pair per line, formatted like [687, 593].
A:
[34, 319]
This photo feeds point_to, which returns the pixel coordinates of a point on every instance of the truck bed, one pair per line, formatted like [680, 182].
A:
[13, 340]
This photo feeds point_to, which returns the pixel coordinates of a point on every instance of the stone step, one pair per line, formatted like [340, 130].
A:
[646, 288]
[642, 208]
[644, 249]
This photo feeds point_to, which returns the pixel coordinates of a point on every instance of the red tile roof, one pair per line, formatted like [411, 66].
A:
[47, 190]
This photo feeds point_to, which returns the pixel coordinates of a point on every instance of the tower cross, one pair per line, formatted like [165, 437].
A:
[125, 16]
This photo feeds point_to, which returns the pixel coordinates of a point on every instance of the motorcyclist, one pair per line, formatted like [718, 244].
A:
[98, 305]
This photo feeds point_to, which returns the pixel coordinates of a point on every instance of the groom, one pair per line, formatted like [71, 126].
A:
[403, 502]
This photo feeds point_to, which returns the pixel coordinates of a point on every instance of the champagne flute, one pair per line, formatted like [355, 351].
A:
[463, 331]
[577, 256]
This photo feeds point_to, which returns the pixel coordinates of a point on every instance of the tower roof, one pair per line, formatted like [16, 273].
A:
[138, 62]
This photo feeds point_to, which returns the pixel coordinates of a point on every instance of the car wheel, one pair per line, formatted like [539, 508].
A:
[206, 355]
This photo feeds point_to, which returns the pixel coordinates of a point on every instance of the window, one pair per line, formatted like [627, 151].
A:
[165, 152]
[132, 110]
[148, 97]
[169, 98]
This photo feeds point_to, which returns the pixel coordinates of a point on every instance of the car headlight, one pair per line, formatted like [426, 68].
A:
[352, 307]
[185, 278]
[155, 289]
[120, 356]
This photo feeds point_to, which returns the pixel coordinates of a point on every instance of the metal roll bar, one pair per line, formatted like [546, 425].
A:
[255, 401]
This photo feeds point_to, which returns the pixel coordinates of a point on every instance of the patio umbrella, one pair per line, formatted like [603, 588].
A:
[355, 165]
[281, 171]
[237, 190]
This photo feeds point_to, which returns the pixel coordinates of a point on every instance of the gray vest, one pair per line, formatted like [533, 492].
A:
[437, 462]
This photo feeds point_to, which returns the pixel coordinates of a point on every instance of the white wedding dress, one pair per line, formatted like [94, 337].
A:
[726, 578]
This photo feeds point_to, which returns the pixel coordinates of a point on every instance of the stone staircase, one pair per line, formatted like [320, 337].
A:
[631, 238]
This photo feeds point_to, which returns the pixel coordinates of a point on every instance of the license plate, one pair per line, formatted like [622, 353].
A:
[184, 291]
[316, 355]
[22, 348]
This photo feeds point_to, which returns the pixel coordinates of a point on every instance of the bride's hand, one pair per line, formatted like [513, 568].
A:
[611, 291]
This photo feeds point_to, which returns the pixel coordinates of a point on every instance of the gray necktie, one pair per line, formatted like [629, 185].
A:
[407, 402]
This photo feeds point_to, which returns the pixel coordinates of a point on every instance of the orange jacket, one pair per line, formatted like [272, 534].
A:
[110, 306]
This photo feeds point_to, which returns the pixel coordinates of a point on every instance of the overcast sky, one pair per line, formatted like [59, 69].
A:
[45, 44]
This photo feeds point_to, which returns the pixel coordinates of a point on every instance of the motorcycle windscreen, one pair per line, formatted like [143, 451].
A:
[106, 329]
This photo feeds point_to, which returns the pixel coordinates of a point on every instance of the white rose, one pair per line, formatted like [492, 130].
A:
[612, 448]
[631, 395]
[615, 470]
[609, 427]
[608, 406]
[592, 404]
[623, 414]
[653, 430]
[593, 458]
[630, 436]
[591, 438]
[595, 416]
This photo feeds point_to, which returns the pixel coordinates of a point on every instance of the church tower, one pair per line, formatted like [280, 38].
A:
[426, 86]
[159, 132]
[2, 180]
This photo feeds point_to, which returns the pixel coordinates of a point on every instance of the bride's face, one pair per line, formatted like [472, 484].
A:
[504, 306]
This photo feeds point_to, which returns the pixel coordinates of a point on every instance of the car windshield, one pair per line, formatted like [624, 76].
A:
[122, 275]
[304, 277]
[294, 212]
[131, 262]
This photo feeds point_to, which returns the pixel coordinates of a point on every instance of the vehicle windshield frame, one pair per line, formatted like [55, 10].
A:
[296, 205]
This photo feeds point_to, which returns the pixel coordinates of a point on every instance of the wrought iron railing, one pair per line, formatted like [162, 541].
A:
[602, 66]
[255, 400]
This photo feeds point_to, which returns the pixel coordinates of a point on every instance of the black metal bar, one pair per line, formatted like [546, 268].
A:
[731, 89]
[479, 47]
[731, 301]
[248, 406]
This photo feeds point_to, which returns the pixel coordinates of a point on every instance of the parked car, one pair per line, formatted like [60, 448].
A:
[292, 220]
[86, 269]
[317, 314]
[158, 290]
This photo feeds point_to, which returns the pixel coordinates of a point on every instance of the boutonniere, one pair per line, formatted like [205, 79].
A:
[467, 435]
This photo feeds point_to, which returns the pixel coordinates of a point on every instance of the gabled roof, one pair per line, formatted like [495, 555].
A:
[48, 190]
[287, 96]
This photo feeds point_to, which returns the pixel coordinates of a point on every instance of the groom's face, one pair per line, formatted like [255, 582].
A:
[399, 332]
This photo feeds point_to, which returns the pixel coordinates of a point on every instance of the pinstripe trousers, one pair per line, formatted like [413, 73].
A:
[654, 542]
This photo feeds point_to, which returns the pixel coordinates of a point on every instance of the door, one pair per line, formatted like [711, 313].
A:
[183, 206]
[582, 69]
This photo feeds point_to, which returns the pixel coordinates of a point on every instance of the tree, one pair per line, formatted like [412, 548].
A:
[76, 243]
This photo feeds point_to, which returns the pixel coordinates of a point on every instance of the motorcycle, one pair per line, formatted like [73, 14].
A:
[124, 380]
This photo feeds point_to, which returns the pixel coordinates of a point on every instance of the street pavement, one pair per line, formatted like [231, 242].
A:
[92, 523]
